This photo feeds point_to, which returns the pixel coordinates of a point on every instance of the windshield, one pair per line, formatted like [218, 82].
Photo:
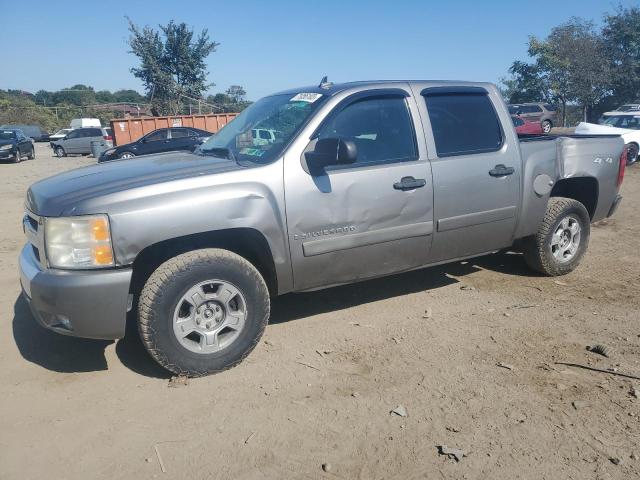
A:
[7, 134]
[622, 121]
[261, 132]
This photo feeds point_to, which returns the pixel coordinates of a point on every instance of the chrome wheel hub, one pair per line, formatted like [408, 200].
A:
[209, 316]
[566, 239]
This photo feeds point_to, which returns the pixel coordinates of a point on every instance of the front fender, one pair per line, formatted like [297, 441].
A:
[245, 199]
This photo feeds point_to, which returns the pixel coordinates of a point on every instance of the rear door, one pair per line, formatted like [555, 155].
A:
[91, 135]
[358, 220]
[533, 113]
[182, 139]
[476, 170]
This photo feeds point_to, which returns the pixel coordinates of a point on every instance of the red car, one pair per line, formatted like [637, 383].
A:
[526, 128]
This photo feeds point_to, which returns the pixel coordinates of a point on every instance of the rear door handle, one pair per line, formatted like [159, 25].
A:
[501, 171]
[409, 183]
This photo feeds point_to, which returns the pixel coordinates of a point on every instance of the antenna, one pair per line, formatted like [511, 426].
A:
[325, 83]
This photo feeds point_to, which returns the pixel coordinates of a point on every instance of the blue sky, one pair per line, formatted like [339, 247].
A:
[268, 46]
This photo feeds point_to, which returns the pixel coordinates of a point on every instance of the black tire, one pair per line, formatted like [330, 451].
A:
[538, 248]
[547, 126]
[125, 155]
[165, 288]
[632, 153]
[59, 151]
[32, 155]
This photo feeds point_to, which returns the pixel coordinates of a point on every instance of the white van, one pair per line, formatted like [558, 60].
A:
[85, 122]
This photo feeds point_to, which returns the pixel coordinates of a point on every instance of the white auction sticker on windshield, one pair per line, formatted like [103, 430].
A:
[306, 97]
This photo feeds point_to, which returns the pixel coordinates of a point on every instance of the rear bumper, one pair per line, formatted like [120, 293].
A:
[615, 205]
[90, 304]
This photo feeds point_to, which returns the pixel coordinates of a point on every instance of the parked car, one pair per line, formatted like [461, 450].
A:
[543, 113]
[32, 131]
[629, 107]
[367, 179]
[79, 140]
[526, 128]
[85, 123]
[59, 134]
[626, 124]
[15, 145]
[158, 141]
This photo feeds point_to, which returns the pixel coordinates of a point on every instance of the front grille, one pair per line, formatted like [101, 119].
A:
[33, 229]
[33, 222]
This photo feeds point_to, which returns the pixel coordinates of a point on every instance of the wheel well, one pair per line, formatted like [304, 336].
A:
[246, 242]
[582, 189]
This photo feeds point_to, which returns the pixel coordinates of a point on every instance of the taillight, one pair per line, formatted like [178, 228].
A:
[623, 164]
[107, 137]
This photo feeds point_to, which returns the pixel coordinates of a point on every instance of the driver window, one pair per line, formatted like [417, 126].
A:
[380, 127]
[156, 136]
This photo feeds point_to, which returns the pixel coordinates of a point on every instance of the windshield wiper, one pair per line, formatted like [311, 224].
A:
[227, 152]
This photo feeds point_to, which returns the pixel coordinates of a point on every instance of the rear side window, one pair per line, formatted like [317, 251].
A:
[179, 133]
[95, 132]
[156, 136]
[463, 124]
[551, 108]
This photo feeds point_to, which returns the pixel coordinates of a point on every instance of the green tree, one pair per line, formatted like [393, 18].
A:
[128, 96]
[172, 63]
[525, 84]
[621, 36]
[76, 95]
[236, 93]
[104, 96]
[573, 63]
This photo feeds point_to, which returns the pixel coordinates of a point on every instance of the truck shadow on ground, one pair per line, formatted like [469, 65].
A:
[60, 353]
[299, 305]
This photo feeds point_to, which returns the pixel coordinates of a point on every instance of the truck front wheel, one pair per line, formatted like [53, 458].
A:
[562, 238]
[203, 312]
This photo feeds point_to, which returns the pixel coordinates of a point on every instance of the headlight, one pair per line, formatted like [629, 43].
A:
[6, 147]
[108, 152]
[78, 242]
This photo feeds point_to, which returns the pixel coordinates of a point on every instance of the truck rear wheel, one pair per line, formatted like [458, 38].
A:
[562, 238]
[203, 312]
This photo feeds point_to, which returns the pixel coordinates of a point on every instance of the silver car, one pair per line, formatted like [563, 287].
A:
[78, 141]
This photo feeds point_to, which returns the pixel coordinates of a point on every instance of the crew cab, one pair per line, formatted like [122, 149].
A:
[363, 180]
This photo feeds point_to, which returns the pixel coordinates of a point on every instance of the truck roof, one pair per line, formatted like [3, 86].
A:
[333, 88]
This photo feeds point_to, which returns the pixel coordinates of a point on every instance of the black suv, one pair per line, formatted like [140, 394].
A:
[158, 141]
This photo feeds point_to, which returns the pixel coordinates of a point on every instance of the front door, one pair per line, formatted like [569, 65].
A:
[154, 142]
[476, 171]
[362, 220]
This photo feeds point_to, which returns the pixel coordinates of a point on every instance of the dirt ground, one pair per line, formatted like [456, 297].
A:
[333, 364]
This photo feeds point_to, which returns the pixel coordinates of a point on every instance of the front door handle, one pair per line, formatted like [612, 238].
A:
[409, 183]
[501, 171]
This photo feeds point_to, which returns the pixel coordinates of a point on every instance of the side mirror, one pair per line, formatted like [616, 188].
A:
[331, 151]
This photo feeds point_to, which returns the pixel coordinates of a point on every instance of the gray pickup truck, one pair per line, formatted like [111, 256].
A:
[354, 181]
